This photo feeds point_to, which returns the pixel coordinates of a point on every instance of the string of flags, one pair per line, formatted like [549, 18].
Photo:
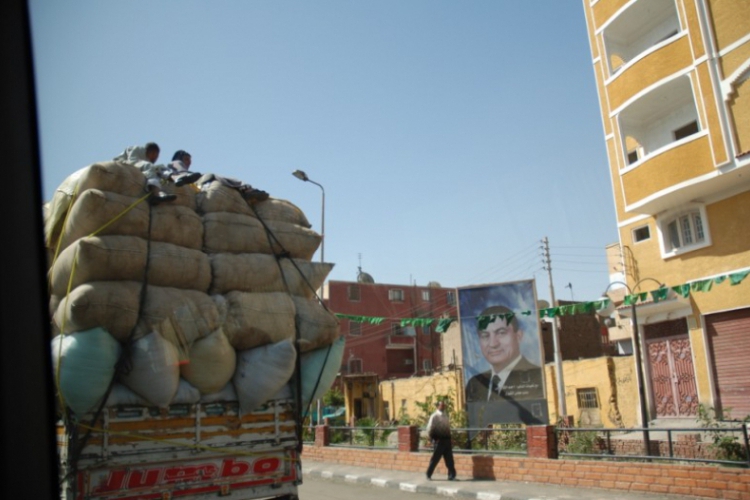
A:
[658, 295]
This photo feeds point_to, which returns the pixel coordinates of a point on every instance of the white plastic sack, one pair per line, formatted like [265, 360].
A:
[155, 373]
[262, 372]
[83, 367]
[319, 369]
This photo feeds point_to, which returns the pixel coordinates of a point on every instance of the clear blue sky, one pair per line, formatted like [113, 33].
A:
[450, 137]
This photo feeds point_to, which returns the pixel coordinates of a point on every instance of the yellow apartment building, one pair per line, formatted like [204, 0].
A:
[674, 92]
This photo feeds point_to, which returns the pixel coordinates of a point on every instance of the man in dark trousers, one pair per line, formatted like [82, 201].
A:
[439, 430]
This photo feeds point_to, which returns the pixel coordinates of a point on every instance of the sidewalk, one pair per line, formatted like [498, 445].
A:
[466, 488]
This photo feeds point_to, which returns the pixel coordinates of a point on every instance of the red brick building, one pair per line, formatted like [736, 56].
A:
[388, 349]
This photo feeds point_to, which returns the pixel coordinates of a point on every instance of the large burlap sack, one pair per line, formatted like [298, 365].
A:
[317, 326]
[276, 209]
[319, 369]
[255, 272]
[108, 213]
[114, 305]
[255, 319]
[236, 233]
[262, 372]
[117, 258]
[83, 365]
[216, 197]
[154, 371]
[211, 363]
[110, 176]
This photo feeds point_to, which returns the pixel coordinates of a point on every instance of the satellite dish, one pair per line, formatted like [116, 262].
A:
[542, 304]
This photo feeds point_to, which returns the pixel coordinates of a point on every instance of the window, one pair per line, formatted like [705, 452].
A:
[426, 295]
[633, 156]
[685, 131]
[587, 398]
[396, 329]
[427, 365]
[450, 297]
[396, 295]
[641, 233]
[355, 366]
[426, 330]
[355, 328]
[353, 293]
[683, 232]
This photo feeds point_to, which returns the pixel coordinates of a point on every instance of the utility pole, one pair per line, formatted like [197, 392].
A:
[555, 333]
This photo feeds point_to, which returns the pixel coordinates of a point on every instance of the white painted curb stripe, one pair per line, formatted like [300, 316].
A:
[408, 487]
[488, 496]
[447, 492]
[379, 482]
[327, 474]
[350, 478]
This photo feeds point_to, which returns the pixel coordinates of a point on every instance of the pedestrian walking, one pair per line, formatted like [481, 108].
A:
[439, 431]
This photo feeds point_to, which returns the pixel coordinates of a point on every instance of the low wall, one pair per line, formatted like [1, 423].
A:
[703, 481]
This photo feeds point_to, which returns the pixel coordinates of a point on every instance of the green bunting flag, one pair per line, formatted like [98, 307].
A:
[702, 285]
[416, 322]
[483, 321]
[736, 278]
[682, 290]
[361, 319]
[660, 294]
[443, 324]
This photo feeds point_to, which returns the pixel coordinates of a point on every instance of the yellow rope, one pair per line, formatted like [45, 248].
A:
[70, 280]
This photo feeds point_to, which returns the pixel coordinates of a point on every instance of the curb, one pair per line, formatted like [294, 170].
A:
[454, 490]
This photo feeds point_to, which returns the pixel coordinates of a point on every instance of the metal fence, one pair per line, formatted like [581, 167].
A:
[364, 437]
[500, 439]
[725, 445]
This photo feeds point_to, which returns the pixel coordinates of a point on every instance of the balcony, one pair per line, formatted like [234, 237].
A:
[637, 29]
[663, 180]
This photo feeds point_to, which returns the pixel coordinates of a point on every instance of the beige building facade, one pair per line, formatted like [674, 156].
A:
[672, 78]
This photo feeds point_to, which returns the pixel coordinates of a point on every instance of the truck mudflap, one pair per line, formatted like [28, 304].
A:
[263, 475]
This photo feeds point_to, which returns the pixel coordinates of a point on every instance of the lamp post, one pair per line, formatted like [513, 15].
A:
[299, 174]
[637, 344]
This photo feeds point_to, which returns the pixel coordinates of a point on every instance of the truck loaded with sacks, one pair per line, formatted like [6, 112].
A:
[188, 338]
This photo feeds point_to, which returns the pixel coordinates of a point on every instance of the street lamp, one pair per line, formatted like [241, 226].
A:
[637, 343]
[299, 174]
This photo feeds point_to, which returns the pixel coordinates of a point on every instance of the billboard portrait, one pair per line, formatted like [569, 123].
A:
[502, 354]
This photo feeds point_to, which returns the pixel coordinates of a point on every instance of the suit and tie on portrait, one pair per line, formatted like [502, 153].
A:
[512, 376]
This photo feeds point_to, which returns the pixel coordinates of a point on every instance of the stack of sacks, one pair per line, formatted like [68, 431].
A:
[262, 299]
[215, 290]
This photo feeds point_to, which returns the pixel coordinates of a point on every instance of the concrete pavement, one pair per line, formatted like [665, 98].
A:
[466, 488]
